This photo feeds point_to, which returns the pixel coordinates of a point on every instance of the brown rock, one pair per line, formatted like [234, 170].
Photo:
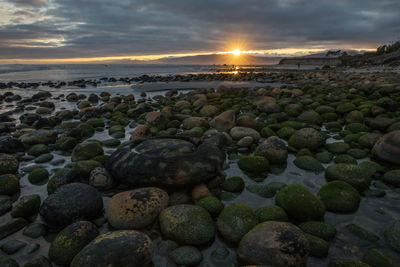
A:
[224, 121]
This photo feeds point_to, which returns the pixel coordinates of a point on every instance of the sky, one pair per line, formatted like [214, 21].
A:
[35, 31]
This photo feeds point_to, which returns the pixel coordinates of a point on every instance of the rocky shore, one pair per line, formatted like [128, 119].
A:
[305, 174]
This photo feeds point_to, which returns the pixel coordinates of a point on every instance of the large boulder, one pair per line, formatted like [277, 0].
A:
[164, 161]
[187, 224]
[137, 208]
[307, 138]
[71, 202]
[387, 148]
[274, 244]
[118, 248]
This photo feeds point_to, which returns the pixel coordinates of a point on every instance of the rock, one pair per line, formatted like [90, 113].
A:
[164, 161]
[39, 149]
[307, 138]
[245, 141]
[200, 191]
[187, 225]
[212, 204]
[85, 167]
[339, 196]
[368, 140]
[7, 261]
[81, 131]
[141, 131]
[362, 233]
[392, 236]
[65, 143]
[300, 203]
[35, 230]
[354, 175]
[208, 111]
[5, 204]
[337, 147]
[101, 179]
[322, 230]
[26, 207]
[129, 248]
[71, 202]
[45, 158]
[318, 247]
[272, 213]
[192, 122]
[376, 257]
[86, 151]
[39, 261]
[10, 145]
[235, 221]
[238, 133]
[62, 177]
[253, 164]
[9, 184]
[266, 104]
[12, 226]
[71, 240]
[233, 184]
[275, 244]
[12, 246]
[186, 256]
[39, 137]
[387, 148]
[265, 190]
[381, 124]
[274, 149]
[137, 208]
[310, 117]
[38, 175]
[392, 177]
[309, 163]
[8, 164]
[224, 121]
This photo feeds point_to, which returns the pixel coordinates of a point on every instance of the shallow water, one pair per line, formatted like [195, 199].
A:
[374, 214]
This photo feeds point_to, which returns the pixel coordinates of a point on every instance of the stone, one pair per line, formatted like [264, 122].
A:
[274, 244]
[164, 161]
[309, 163]
[322, 230]
[362, 233]
[129, 248]
[187, 224]
[137, 208]
[307, 138]
[71, 240]
[38, 149]
[12, 226]
[101, 179]
[310, 117]
[368, 140]
[318, 247]
[272, 213]
[274, 149]
[26, 207]
[12, 246]
[192, 122]
[253, 164]
[356, 176]
[10, 145]
[65, 143]
[392, 177]
[8, 164]
[376, 257]
[62, 177]
[238, 133]
[337, 147]
[392, 236]
[39, 261]
[71, 202]
[38, 175]
[35, 230]
[246, 141]
[235, 221]
[86, 151]
[186, 256]
[9, 184]
[7, 261]
[300, 203]
[212, 204]
[224, 121]
[339, 196]
[39, 137]
[265, 190]
[233, 184]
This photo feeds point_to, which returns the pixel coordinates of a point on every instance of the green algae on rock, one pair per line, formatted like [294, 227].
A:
[339, 196]
[354, 175]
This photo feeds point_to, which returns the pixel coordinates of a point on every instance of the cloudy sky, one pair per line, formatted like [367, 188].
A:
[44, 29]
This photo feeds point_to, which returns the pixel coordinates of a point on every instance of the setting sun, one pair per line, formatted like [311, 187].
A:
[236, 52]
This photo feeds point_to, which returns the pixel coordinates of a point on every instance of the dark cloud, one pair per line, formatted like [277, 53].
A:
[138, 27]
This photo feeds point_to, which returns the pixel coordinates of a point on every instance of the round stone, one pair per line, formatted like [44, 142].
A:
[339, 196]
[387, 148]
[8, 164]
[274, 149]
[137, 208]
[307, 138]
[354, 175]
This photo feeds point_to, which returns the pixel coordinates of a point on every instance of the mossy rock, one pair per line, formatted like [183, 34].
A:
[39, 149]
[235, 221]
[357, 153]
[96, 122]
[356, 176]
[347, 263]
[310, 117]
[356, 127]
[339, 196]
[71, 240]
[38, 175]
[304, 152]
[272, 213]
[309, 163]
[253, 164]
[300, 203]
[285, 132]
[318, 247]
[62, 177]
[86, 151]
[362, 233]
[376, 257]
[187, 224]
[82, 131]
[7, 261]
[307, 138]
[392, 236]
[392, 177]
[212, 204]
[322, 230]
[38, 261]
[329, 116]
[26, 207]
[8, 164]
[267, 132]
[233, 184]
[12, 226]
[345, 108]
[324, 157]
[9, 184]
[85, 167]
[117, 248]
[186, 256]
[337, 147]
[343, 158]
[65, 143]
